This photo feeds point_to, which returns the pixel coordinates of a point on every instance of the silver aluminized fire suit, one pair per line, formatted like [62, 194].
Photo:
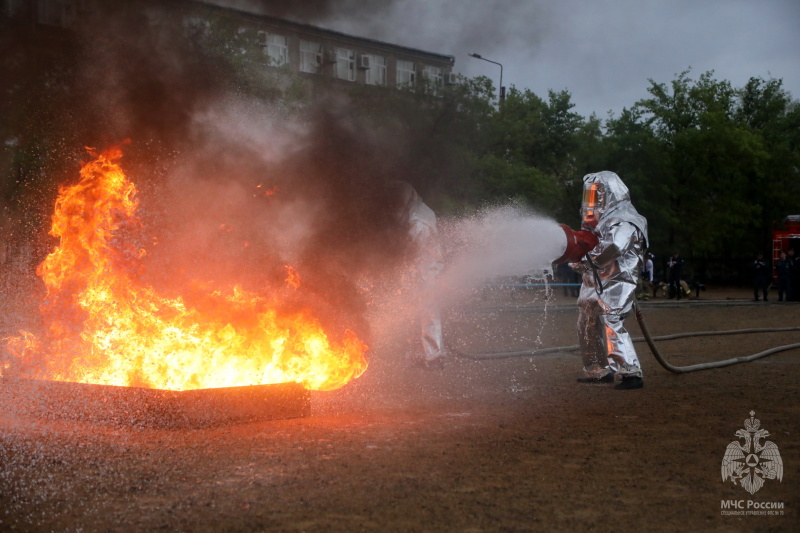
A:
[429, 263]
[608, 289]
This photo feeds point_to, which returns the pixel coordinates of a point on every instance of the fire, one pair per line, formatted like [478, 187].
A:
[106, 326]
[266, 192]
[292, 277]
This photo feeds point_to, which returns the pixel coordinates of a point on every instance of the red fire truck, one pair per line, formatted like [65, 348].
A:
[784, 238]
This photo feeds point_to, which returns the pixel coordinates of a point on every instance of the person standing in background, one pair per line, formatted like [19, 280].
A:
[760, 277]
[428, 263]
[794, 276]
[784, 277]
[675, 271]
[647, 277]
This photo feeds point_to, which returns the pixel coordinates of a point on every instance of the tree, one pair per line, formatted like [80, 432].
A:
[766, 110]
[712, 165]
[530, 153]
[633, 150]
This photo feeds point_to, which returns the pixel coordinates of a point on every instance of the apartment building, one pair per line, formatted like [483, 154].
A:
[278, 45]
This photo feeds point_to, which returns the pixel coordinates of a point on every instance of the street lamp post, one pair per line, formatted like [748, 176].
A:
[502, 92]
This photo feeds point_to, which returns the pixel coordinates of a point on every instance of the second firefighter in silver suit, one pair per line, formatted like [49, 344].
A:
[427, 266]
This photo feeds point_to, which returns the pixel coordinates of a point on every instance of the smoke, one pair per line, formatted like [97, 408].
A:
[143, 75]
[235, 188]
[260, 190]
[445, 26]
[306, 11]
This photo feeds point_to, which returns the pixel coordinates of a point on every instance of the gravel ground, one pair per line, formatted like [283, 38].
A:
[485, 444]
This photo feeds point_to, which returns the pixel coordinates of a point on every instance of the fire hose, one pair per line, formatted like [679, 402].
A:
[701, 366]
[656, 353]
[651, 343]
[716, 364]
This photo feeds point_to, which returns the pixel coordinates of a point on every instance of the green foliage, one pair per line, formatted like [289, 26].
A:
[720, 159]
[711, 166]
[504, 181]
[530, 151]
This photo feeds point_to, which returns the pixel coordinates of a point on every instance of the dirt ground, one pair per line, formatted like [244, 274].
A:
[485, 444]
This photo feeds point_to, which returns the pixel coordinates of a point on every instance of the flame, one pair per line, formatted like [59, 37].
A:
[105, 326]
[266, 192]
[292, 277]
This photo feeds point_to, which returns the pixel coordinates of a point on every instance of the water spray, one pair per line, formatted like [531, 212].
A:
[575, 244]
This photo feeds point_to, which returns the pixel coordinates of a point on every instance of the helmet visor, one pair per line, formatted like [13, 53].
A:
[591, 196]
[592, 204]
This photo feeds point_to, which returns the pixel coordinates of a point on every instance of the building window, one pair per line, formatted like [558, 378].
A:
[276, 48]
[434, 75]
[345, 64]
[406, 75]
[310, 56]
[376, 73]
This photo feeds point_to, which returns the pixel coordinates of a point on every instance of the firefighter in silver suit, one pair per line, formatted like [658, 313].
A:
[428, 264]
[610, 271]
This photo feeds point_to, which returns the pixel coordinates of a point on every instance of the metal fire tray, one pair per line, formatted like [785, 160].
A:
[135, 406]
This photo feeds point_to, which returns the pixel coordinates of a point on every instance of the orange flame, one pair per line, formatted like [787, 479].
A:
[106, 327]
[266, 192]
[292, 277]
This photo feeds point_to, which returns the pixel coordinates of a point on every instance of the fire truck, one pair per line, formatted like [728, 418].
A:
[788, 236]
